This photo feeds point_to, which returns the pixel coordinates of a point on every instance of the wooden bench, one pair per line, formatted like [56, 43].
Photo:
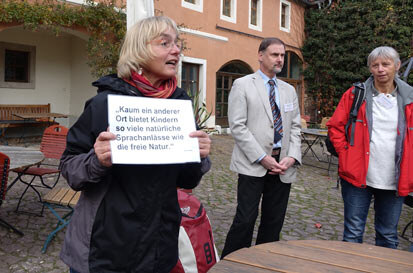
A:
[60, 197]
[9, 120]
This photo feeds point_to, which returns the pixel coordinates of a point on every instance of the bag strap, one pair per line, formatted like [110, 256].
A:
[198, 214]
[359, 96]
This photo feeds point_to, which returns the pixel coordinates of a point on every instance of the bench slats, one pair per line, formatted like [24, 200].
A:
[7, 110]
[50, 194]
[62, 196]
[9, 120]
[75, 199]
[68, 196]
[54, 195]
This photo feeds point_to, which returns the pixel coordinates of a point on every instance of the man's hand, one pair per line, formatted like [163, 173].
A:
[102, 148]
[272, 165]
[287, 162]
[204, 142]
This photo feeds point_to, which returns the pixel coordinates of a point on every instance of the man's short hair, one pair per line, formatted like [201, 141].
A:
[269, 41]
[386, 52]
[136, 51]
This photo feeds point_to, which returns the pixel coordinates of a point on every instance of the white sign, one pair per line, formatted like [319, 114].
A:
[152, 131]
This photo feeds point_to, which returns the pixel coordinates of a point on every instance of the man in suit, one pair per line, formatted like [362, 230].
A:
[265, 122]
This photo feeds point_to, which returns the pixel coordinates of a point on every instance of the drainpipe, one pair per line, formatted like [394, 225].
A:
[320, 3]
[138, 9]
[409, 63]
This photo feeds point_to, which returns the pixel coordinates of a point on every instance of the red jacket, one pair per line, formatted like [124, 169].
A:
[354, 160]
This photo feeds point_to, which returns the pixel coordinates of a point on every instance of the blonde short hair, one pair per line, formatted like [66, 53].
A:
[136, 51]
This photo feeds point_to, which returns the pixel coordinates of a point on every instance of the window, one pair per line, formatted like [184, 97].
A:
[255, 18]
[226, 9]
[190, 78]
[196, 5]
[254, 12]
[229, 10]
[285, 15]
[225, 77]
[291, 73]
[17, 63]
[16, 66]
[292, 66]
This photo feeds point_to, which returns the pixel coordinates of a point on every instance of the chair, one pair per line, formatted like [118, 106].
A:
[62, 198]
[306, 117]
[52, 146]
[324, 122]
[327, 154]
[303, 123]
[306, 138]
[329, 160]
[4, 175]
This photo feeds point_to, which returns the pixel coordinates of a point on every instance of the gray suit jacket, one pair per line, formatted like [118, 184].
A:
[251, 123]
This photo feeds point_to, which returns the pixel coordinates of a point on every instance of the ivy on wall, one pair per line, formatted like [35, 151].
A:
[105, 24]
[339, 39]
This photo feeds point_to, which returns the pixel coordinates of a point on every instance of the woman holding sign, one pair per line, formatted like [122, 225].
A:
[127, 218]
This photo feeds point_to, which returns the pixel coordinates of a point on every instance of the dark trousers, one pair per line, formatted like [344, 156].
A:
[275, 196]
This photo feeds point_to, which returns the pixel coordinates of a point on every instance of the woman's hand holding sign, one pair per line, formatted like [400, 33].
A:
[102, 148]
[204, 142]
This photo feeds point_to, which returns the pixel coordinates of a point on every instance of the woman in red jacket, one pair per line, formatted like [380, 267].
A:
[380, 162]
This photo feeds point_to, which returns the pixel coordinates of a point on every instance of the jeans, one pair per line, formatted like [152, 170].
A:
[387, 207]
[73, 271]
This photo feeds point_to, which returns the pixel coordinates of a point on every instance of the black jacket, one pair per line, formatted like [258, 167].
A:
[127, 218]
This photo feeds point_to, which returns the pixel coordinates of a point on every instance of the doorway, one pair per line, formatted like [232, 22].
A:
[225, 77]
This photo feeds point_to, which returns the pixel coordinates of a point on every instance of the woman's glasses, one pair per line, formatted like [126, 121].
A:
[166, 42]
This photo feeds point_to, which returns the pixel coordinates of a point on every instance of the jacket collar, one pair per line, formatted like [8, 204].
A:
[403, 89]
[266, 78]
[262, 93]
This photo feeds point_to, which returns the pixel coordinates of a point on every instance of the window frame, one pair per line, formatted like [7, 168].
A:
[287, 17]
[198, 6]
[187, 80]
[288, 66]
[32, 64]
[233, 17]
[201, 74]
[257, 27]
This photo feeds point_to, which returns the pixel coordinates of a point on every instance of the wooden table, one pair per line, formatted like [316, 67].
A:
[34, 117]
[316, 256]
[21, 157]
[316, 135]
[29, 116]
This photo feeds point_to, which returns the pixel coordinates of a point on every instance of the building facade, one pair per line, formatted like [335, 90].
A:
[221, 41]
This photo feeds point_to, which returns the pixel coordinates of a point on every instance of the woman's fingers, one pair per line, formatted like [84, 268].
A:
[102, 148]
[204, 142]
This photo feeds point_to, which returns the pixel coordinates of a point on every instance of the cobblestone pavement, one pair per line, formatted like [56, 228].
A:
[314, 200]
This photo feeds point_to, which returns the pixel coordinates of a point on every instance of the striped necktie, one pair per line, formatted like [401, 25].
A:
[278, 126]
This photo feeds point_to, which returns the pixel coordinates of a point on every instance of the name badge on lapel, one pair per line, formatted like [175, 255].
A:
[288, 107]
[384, 101]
